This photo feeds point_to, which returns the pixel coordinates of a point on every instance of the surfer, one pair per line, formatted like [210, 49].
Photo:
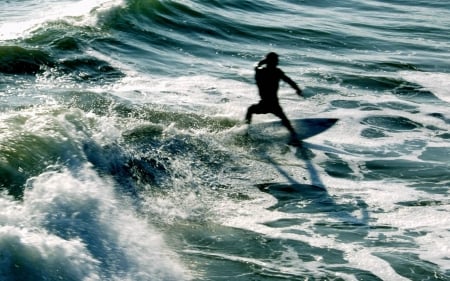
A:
[267, 79]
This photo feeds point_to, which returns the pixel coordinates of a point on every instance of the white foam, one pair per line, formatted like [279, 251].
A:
[439, 241]
[29, 250]
[436, 82]
[74, 225]
[385, 218]
[202, 94]
[356, 255]
[29, 16]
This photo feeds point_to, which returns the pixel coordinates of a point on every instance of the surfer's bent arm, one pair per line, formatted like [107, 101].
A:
[294, 85]
[260, 63]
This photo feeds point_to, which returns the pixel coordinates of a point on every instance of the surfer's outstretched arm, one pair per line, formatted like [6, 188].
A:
[294, 85]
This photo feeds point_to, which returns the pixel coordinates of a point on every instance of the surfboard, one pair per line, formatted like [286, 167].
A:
[305, 128]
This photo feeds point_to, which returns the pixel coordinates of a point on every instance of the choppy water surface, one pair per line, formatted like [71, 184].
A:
[123, 153]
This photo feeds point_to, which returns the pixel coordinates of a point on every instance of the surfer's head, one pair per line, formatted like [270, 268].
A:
[271, 59]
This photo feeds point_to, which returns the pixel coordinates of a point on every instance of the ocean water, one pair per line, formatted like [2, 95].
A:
[124, 155]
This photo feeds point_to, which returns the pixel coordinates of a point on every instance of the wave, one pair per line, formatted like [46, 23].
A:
[18, 60]
[169, 32]
[29, 61]
[168, 37]
[122, 121]
[27, 16]
[71, 226]
[43, 138]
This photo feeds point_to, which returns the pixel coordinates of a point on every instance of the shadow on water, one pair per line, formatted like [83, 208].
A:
[296, 197]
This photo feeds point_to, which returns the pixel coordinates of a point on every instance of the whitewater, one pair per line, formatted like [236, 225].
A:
[124, 154]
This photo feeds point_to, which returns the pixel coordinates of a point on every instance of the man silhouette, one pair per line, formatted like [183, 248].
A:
[268, 79]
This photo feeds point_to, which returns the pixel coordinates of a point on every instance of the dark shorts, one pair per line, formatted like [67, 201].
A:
[273, 107]
[267, 107]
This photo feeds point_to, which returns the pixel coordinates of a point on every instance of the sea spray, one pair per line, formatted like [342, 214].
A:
[73, 227]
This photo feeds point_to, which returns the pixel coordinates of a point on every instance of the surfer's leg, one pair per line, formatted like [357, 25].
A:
[250, 111]
[294, 137]
[284, 120]
[254, 109]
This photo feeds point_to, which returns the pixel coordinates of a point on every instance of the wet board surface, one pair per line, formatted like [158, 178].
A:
[305, 128]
